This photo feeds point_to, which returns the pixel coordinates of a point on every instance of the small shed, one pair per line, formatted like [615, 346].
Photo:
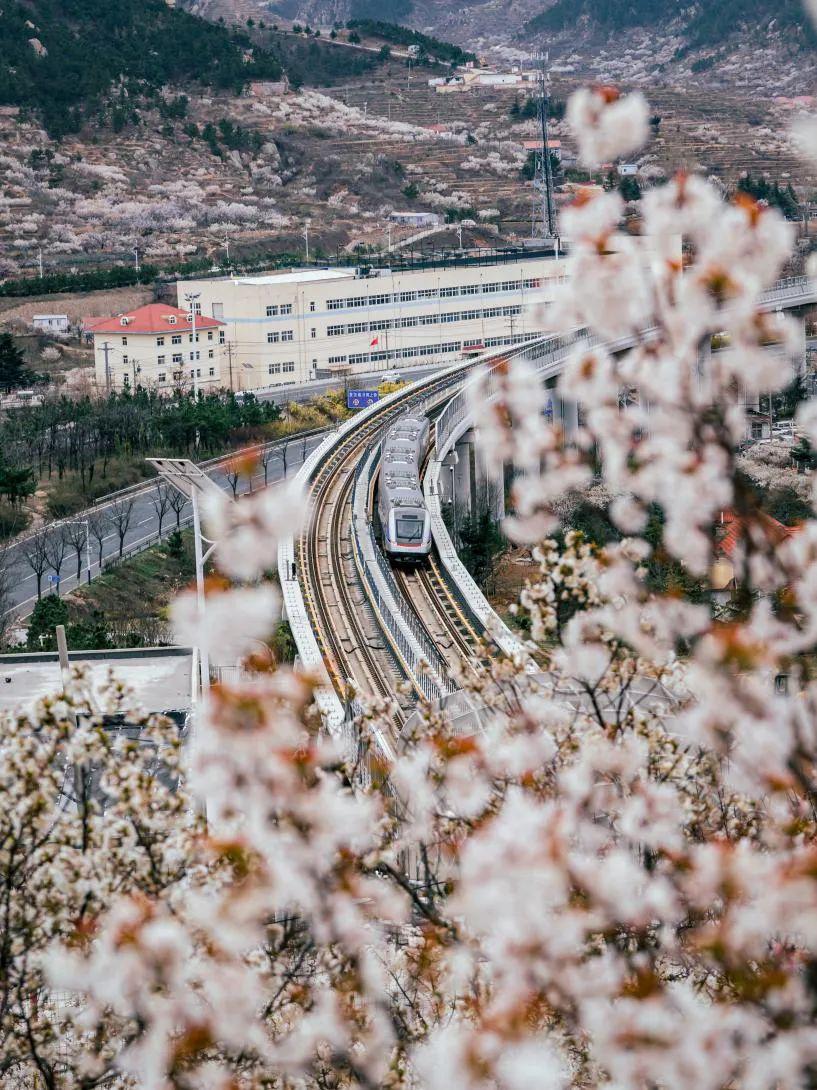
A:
[51, 323]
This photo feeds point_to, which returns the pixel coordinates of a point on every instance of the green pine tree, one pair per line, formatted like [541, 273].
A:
[13, 371]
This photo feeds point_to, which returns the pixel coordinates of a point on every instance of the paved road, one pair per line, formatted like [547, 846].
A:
[144, 527]
[144, 523]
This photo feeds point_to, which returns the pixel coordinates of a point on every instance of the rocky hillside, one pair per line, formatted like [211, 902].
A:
[755, 45]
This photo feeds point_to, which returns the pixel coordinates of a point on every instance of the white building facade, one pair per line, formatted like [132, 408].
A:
[292, 327]
[156, 347]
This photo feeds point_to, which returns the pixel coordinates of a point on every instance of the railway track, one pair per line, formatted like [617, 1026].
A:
[354, 646]
[432, 602]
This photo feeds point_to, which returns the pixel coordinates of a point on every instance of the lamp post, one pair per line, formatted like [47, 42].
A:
[192, 482]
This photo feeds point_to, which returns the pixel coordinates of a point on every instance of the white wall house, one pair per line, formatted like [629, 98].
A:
[291, 327]
[153, 347]
[50, 323]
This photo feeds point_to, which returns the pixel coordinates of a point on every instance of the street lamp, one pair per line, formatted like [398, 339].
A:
[192, 482]
[306, 237]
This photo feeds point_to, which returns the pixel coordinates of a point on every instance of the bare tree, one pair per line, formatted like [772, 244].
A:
[120, 514]
[56, 546]
[98, 525]
[233, 475]
[266, 456]
[35, 554]
[161, 500]
[281, 452]
[178, 502]
[77, 535]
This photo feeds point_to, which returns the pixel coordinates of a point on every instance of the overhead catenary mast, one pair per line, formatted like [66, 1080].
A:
[544, 219]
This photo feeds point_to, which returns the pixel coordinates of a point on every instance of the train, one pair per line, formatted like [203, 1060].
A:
[404, 521]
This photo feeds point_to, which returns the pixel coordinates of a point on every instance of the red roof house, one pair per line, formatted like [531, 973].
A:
[154, 318]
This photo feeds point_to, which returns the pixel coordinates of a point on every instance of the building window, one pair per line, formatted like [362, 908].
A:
[126, 380]
[221, 336]
[196, 308]
[124, 340]
[192, 374]
[160, 361]
[287, 335]
[159, 342]
[172, 319]
[162, 377]
[211, 354]
[177, 358]
[274, 369]
[273, 338]
[212, 371]
[124, 361]
[314, 332]
[286, 308]
[272, 312]
[210, 335]
[288, 368]
[176, 338]
[177, 376]
[337, 359]
[198, 372]
[312, 308]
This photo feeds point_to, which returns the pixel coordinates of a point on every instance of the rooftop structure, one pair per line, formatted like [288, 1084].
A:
[159, 676]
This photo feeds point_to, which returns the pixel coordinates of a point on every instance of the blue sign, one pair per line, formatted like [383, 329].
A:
[361, 399]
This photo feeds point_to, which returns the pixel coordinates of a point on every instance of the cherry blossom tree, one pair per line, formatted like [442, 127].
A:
[611, 883]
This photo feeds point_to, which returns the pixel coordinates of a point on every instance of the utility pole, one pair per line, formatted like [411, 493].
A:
[40, 261]
[227, 244]
[190, 298]
[543, 179]
[106, 349]
[136, 257]
[306, 237]
[388, 229]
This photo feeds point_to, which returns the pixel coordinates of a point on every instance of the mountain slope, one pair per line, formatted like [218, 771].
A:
[703, 24]
[62, 57]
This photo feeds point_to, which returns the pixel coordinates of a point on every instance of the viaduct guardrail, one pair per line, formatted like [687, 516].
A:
[549, 354]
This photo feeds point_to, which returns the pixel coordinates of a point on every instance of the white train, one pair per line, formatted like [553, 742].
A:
[401, 507]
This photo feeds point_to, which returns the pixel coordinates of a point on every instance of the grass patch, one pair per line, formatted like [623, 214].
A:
[132, 596]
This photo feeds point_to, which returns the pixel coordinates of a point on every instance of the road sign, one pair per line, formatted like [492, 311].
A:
[361, 399]
[54, 580]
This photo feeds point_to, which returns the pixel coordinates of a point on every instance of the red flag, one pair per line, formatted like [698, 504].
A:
[374, 341]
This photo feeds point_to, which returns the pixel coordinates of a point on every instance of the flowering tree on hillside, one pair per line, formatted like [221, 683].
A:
[613, 884]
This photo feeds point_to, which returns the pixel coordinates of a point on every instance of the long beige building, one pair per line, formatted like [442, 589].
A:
[291, 327]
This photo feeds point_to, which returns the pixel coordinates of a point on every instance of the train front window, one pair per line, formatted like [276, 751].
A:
[409, 530]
